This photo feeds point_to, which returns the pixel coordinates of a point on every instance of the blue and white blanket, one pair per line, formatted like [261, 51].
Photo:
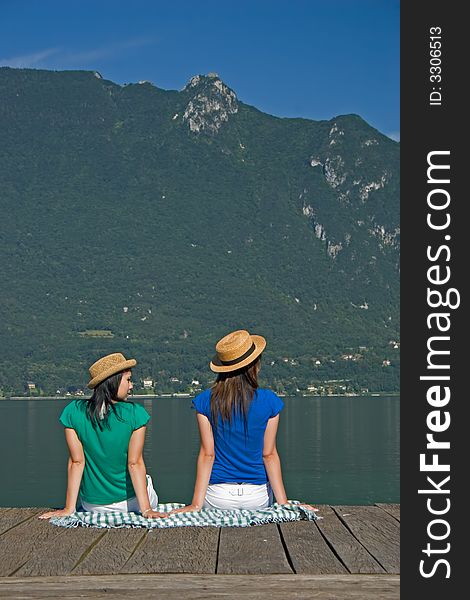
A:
[278, 513]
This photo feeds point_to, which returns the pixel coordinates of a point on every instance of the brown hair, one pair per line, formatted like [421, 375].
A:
[233, 392]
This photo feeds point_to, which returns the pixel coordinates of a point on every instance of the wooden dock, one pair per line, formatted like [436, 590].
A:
[353, 552]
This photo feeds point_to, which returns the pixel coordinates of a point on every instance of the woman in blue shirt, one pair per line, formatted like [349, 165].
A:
[238, 465]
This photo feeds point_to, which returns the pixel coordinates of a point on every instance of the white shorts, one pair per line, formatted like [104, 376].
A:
[129, 505]
[238, 495]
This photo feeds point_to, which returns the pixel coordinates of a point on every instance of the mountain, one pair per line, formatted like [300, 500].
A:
[153, 222]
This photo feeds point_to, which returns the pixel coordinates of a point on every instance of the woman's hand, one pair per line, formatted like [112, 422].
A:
[64, 512]
[152, 514]
[307, 506]
[185, 509]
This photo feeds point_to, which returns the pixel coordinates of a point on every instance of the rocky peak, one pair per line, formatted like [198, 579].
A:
[210, 105]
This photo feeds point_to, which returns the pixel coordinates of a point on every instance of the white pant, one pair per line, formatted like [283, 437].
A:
[238, 495]
[129, 505]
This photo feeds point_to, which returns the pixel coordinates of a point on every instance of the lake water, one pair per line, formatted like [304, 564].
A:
[334, 450]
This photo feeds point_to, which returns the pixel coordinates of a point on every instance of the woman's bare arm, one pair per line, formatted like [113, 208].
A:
[76, 464]
[138, 472]
[205, 462]
[272, 462]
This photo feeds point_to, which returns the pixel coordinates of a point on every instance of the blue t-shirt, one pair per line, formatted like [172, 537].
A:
[239, 452]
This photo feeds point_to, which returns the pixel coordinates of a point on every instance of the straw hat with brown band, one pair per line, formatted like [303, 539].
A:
[236, 350]
[107, 366]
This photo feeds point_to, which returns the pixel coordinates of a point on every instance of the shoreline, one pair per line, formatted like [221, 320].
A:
[190, 396]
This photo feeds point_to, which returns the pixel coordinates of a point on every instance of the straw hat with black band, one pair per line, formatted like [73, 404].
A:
[236, 350]
[107, 366]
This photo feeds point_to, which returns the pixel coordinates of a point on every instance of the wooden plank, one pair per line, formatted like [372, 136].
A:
[20, 543]
[252, 550]
[308, 551]
[29, 546]
[184, 587]
[11, 517]
[62, 551]
[392, 509]
[178, 550]
[377, 531]
[349, 551]
[111, 553]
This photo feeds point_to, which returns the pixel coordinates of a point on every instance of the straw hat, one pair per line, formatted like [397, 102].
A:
[107, 366]
[236, 350]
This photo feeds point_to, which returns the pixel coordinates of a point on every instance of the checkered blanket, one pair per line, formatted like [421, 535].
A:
[278, 513]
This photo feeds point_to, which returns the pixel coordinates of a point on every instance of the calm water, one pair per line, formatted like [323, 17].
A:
[333, 450]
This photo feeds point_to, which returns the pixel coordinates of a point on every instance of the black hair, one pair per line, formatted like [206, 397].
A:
[102, 400]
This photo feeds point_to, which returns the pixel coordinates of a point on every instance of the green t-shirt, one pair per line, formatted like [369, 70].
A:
[105, 478]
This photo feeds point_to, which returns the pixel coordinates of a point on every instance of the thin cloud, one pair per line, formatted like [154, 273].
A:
[394, 135]
[104, 52]
[60, 58]
[29, 60]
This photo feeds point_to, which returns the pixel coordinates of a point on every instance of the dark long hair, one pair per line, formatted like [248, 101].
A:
[99, 405]
[233, 392]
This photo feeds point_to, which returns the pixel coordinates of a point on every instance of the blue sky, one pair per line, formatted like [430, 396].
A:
[299, 58]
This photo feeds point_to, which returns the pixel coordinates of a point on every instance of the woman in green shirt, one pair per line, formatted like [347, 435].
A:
[105, 436]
